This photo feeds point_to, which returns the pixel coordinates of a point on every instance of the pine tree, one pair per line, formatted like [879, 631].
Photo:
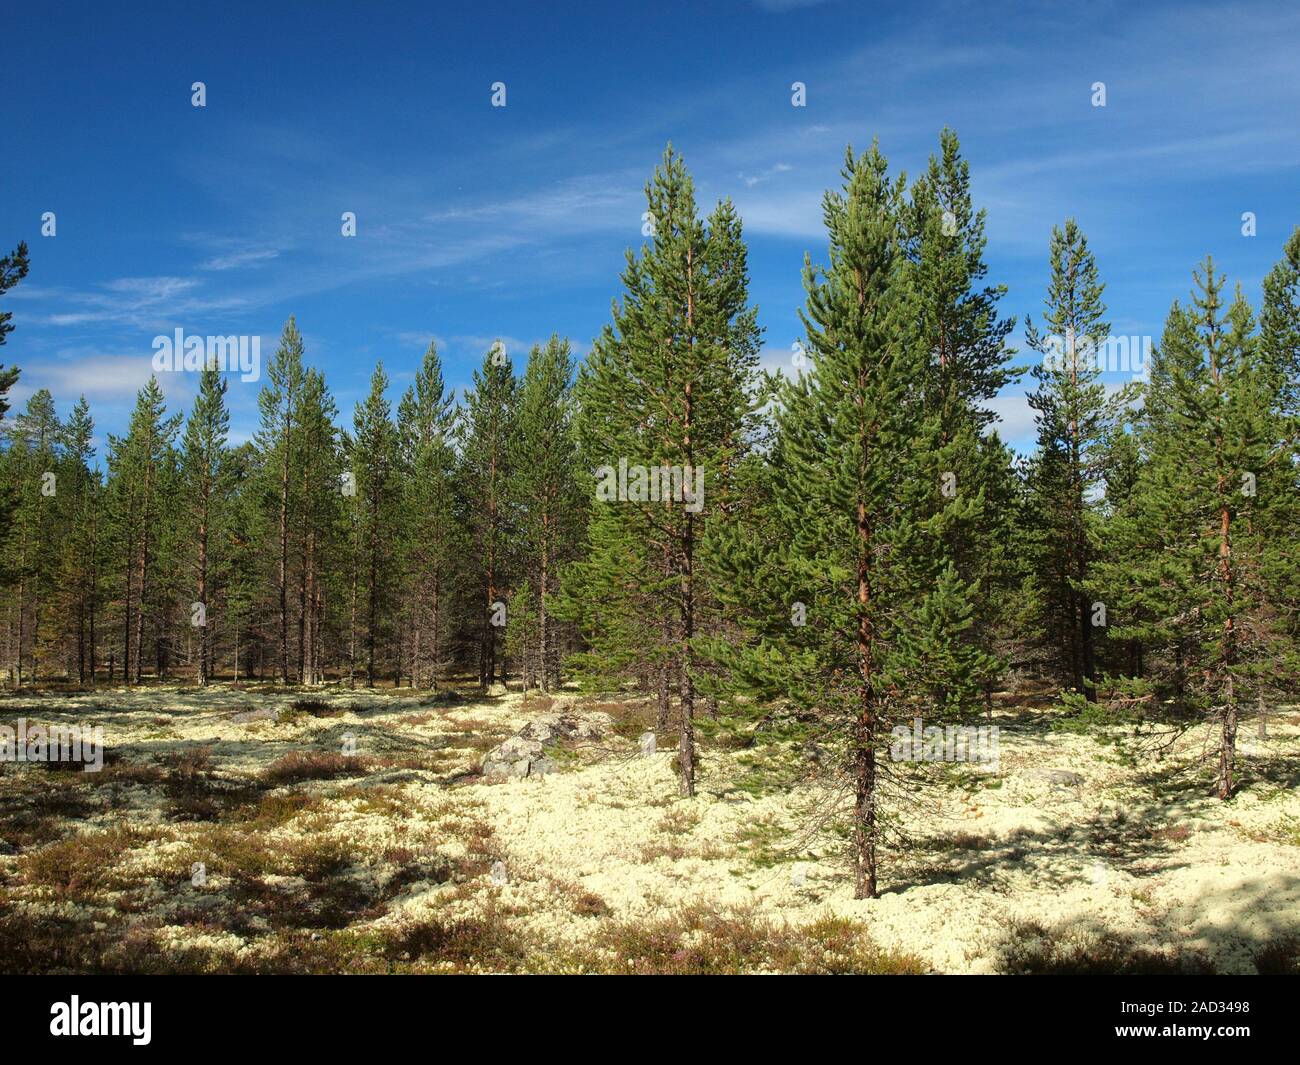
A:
[670, 387]
[1279, 517]
[430, 547]
[1075, 419]
[1279, 330]
[81, 494]
[1214, 468]
[374, 465]
[488, 432]
[319, 509]
[547, 494]
[13, 268]
[1121, 462]
[140, 468]
[521, 636]
[34, 458]
[244, 533]
[206, 491]
[281, 447]
[970, 518]
[824, 597]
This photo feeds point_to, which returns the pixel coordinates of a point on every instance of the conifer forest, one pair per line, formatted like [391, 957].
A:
[743, 632]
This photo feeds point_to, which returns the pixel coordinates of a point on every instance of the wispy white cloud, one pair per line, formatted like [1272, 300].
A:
[796, 213]
[236, 259]
[99, 375]
[583, 204]
[751, 180]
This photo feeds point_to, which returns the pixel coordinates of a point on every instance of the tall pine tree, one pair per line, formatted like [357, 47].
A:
[206, 485]
[488, 445]
[671, 390]
[824, 596]
[546, 489]
[430, 534]
[1075, 419]
[1214, 467]
[374, 465]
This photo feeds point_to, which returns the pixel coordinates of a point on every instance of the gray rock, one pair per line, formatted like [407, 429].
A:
[517, 757]
[1060, 778]
[263, 714]
[523, 755]
[647, 742]
[560, 727]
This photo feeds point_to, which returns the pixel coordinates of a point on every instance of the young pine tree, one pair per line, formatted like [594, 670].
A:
[280, 445]
[1075, 420]
[824, 597]
[1215, 469]
[546, 490]
[970, 517]
[206, 486]
[488, 433]
[430, 535]
[671, 384]
[1279, 514]
[374, 464]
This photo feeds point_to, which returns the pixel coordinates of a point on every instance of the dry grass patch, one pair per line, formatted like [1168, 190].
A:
[966, 841]
[695, 941]
[480, 944]
[1285, 830]
[1033, 950]
[631, 717]
[83, 864]
[1172, 834]
[298, 766]
[274, 811]
[1279, 958]
[479, 734]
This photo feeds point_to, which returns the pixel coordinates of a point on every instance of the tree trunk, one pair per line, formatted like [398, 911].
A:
[864, 826]
[541, 609]
[282, 575]
[204, 664]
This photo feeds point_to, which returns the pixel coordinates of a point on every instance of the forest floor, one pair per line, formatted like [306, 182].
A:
[227, 832]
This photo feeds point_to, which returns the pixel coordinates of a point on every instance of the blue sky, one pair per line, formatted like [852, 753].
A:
[477, 222]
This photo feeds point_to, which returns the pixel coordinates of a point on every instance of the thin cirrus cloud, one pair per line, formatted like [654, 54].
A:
[98, 375]
[236, 260]
[137, 303]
